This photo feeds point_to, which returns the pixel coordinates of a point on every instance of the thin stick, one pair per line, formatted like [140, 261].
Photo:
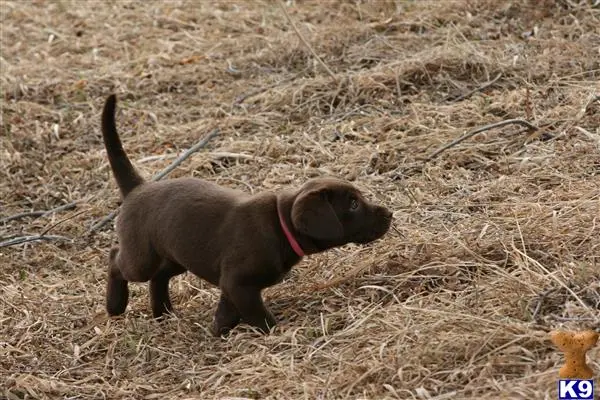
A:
[203, 142]
[42, 236]
[40, 213]
[215, 154]
[185, 155]
[104, 221]
[484, 128]
[31, 238]
[287, 16]
[540, 300]
[477, 89]
[60, 222]
[243, 97]
[397, 231]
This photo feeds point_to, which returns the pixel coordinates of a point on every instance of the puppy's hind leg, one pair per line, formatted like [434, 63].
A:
[159, 287]
[117, 291]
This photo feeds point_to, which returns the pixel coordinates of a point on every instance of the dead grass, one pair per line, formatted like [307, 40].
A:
[501, 233]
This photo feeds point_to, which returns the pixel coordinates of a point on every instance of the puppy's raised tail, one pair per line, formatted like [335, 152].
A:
[125, 174]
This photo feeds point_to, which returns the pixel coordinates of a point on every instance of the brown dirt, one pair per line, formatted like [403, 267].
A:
[499, 236]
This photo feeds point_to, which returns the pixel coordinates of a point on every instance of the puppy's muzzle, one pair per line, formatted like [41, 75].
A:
[380, 222]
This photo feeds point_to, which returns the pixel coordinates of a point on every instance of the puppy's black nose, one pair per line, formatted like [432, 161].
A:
[386, 213]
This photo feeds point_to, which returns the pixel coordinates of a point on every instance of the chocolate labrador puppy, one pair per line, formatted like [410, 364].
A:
[239, 242]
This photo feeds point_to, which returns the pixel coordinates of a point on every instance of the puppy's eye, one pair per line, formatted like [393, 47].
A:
[353, 205]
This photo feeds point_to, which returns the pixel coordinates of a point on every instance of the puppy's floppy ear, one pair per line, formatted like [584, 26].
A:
[313, 215]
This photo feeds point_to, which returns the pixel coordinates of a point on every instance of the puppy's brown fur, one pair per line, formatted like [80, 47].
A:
[229, 238]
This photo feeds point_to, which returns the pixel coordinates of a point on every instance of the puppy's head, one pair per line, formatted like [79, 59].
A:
[333, 212]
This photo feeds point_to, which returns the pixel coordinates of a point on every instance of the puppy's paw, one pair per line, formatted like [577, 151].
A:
[264, 324]
[226, 317]
[224, 322]
[117, 296]
[219, 329]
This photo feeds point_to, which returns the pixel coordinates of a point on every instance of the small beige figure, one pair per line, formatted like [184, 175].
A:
[575, 345]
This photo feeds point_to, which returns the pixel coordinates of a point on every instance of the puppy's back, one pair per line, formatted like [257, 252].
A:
[168, 200]
[179, 219]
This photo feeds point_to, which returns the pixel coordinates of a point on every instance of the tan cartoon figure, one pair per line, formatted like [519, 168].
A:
[575, 345]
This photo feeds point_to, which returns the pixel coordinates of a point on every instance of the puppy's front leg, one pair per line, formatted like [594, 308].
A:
[248, 301]
[226, 317]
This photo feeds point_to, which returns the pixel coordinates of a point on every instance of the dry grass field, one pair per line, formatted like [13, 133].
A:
[497, 236]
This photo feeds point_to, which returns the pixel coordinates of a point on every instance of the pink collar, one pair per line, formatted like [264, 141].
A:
[289, 236]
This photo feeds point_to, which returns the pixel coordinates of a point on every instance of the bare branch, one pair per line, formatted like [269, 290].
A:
[104, 221]
[484, 128]
[243, 97]
[40, 213]
[477, 89]
[60, 222]
[31, 238]
[14, 240]
[202, 143]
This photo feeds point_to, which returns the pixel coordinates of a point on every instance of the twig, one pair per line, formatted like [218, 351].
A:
[477, 89]
[484, 128]
[104, 221]
[287, 16]
[32, 238]
[23, 215]
[397, 231]
[160, 157]
[215, 154]
[219, 155]
[161, 174]
[42, 236]
[589, 135]
[540, 300]
[60, 222]
[185, 155]
[64, 207]
[243, 97]
[40, 213]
